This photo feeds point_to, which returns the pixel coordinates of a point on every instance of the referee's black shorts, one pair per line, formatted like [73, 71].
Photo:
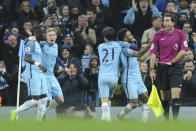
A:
[169, 76]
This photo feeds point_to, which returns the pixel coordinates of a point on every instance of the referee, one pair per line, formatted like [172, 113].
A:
[169, 47]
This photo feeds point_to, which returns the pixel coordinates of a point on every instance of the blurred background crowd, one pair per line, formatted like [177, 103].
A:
[80, 24]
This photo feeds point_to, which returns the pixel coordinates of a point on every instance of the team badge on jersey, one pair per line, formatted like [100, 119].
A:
[185, 44]
[129, 51]
[176, 47]
[152, 46]
[28, 49]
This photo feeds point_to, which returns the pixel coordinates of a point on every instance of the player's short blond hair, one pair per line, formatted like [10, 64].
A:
[50, 30]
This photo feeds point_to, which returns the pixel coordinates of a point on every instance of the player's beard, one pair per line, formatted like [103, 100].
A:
[130, 40]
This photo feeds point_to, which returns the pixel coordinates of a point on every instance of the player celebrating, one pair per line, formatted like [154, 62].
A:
[34, 76]
[49, 56]
[109, 54]
[131, 79]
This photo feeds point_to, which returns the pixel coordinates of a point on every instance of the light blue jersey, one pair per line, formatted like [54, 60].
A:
[34, 50]
[109, 55]
[131, 78]
[49, 56]
[34, 77]
[130, 64]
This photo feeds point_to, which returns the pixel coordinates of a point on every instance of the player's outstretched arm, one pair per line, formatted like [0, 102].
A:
[142, 51]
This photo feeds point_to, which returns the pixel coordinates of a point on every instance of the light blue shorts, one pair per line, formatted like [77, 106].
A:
[54, 88]
[37, 86]
[133, 89]
[107, 86]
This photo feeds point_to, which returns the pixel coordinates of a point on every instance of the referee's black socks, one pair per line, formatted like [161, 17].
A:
[165, 104]
[175, 107]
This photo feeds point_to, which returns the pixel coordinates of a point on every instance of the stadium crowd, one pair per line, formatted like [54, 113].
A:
[79, 24]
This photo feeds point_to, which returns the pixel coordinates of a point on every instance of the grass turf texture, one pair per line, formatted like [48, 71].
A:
[93, 125]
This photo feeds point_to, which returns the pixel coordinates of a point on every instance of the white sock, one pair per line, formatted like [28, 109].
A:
[109, 102]
[145, 111]
[26, 105]
[41, 108]
[125, 110]
[52, 104]
[105, 111]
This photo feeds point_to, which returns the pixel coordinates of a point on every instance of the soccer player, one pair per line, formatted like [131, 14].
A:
[36, 82]
[49, 56]
[169, 46]
[131, 79]
[109, 55]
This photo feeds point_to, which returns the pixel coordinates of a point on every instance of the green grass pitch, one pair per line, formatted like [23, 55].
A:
[94, 125]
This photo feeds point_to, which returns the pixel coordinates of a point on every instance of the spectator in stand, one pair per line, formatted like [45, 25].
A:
[39, 9]
[3, 84]
[171, 7]
[91, 74]
[194, 40]
[74, 14]
[10, 57]
[15, 31]
[162, 4]
[189, 55]
[141, 11]
[6, 34]
[188, 96]
[2, 40]
[73, 87]
[76, 43]
[183, 6]
[54, 17]
[26, 11]
[96, 22]
[145, 76]
[192, 14]
[88, 34]
[51, 8]
[187, 28]
[149, 33]
[65, 57]
[47, 22]
[98, 7]
[182, 18]
[27, 29]
[64, 20]
[117, 10]
[85, 61]
[8, 12]
[10, 53]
